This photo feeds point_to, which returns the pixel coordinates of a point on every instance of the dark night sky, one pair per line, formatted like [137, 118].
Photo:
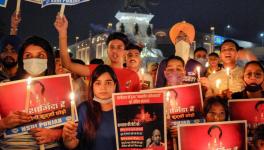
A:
[245, 16]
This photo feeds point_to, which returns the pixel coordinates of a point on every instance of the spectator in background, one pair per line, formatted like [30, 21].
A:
[133, 62]
[9, 46]
[214, 64]
[244, 56]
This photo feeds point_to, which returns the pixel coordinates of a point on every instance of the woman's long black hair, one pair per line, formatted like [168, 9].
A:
[94, 111]
[44, 44]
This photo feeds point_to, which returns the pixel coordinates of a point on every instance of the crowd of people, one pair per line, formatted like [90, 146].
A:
[95, 83]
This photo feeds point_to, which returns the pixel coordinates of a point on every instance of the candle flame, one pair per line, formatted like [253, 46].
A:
[142, 71]
[228, 71]
[29, 80]
[217, 83]
[72, 96]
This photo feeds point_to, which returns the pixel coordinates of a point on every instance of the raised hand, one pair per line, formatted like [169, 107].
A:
[61, 25]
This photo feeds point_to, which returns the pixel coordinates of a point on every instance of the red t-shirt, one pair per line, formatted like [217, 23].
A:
[128, 79]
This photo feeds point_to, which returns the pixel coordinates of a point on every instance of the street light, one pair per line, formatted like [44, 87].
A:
[262, 38]
[212, 39]
[228, 26]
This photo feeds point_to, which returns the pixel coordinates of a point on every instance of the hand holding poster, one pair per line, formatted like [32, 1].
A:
[139, 121]
[229, 135]
[48, 102]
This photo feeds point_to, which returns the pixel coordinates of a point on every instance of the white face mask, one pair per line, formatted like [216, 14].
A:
[182, 49]
[102, 101]
[35, 66]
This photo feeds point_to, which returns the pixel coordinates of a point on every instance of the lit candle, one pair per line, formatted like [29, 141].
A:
[142, 71]
[72, 106]
[228, 76]
[217, 85]
[29, 80]
[62, 9]
[198, 69]
[214, 72]
[18, 6]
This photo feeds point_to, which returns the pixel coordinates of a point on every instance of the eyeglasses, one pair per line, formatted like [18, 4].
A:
[255, 74]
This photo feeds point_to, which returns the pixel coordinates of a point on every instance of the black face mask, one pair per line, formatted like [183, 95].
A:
[9, 62]
[253, 87]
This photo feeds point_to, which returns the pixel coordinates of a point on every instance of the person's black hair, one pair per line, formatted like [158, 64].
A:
[258, 135]
[94, 111]
[210, 101]
[255, 63]
[230, 41]
[176, 58]
[78, 61]
[97, 61]
[199, 49]
[215, 127]
[134, 46]
[13, 40]
[44, 44]
[118, 36]
[213, 54]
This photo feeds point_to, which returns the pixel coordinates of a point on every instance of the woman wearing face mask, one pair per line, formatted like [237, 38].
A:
[172, 73]
[95, 129]
[253, 77]
[35, 59]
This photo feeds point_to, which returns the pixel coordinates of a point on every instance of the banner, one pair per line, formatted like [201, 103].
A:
[228, 135]
[184, 103]
[140, 121]
[60, 2]
[35, 1]
[3, 3]
[251, 110]
[46, 99]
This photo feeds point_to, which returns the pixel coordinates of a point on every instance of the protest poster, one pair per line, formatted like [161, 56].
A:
[60, 2]
[46, 99]
[251, 110]
[3, 3]
[183, 103]
[227, 135]
[140, 121]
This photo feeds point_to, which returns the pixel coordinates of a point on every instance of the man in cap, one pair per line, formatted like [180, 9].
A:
[182, 35]
[9, 46]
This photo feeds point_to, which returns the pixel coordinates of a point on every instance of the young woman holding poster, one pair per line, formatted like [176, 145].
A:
[35, 59]
[253, 77]
[95, 130]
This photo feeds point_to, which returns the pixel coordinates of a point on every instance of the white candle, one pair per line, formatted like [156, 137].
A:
[29, 80]
[18, 6]
[142, 71]
[62, 9]
[198, 69]
[72, 106]
[42, 147]
[217, 85]
[228, 76]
